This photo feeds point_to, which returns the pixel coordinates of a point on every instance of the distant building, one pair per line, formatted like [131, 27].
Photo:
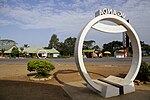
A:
[7, 50]
[88, 53]
[34, 50]
[52, 52]
[92, 54]
[120, 53]
[29, 51]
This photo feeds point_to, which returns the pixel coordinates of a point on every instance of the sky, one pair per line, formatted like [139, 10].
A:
[33, 22]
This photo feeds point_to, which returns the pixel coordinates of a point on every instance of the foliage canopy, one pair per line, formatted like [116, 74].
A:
[144, 72]
[15, 52]
[42, 67]
[53, 43]
[5, 42]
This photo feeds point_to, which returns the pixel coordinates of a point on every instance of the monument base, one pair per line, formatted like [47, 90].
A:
[106, 89]
[113, 86]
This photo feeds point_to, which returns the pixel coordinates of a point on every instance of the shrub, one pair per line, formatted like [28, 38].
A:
[144, 72]
[32, 65]
[42, 67]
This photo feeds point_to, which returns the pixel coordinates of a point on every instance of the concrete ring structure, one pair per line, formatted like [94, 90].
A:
[44, 54]
[122, 25]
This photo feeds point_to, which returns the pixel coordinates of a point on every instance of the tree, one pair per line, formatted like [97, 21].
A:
[88, 44]
[96, 47]
[21, 49]
[2, 51]
[53, 41]
[61, 48]
[26, 45]
[145, 48]
[15, 52]
[6, 42]
[69, 45]
[112, 46]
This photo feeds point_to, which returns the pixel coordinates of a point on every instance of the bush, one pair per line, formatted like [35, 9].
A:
[42, 67]
[144, 72]
[32, 65]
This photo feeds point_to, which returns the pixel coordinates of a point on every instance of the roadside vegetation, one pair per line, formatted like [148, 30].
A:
[42, 68]
[144, 73]
[66, 48]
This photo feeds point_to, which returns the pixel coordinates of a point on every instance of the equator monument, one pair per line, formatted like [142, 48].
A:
[112, 85]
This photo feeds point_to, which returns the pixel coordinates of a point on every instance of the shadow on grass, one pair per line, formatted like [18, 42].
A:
[69, 71]
[19, 90]
[63, 72]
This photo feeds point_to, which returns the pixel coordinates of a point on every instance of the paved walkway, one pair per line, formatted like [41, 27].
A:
[78, 91]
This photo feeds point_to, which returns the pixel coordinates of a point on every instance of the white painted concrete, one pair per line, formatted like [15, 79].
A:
[109, 28]
[123, 25]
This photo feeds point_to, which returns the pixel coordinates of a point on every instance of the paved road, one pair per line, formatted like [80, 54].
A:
[73, 60]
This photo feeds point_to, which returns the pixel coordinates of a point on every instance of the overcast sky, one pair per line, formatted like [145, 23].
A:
[34, 21]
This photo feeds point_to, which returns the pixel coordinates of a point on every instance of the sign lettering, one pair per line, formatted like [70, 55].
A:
[109, 11]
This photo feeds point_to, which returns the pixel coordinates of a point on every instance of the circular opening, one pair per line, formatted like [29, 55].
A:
[134, 40]
[101, 63]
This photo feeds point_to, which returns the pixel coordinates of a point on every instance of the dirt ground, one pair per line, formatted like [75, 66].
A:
[15, 83]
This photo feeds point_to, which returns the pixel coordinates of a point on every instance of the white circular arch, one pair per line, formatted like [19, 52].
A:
[136, 61]
[44, 54]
